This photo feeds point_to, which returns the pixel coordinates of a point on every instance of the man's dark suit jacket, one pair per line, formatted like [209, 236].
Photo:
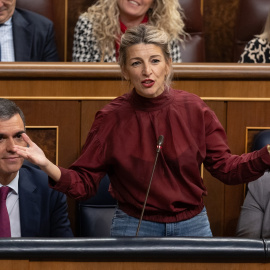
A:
[33, 37]
[43, 211]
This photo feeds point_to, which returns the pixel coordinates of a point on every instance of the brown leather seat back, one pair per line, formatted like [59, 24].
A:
[250, 20]
[43, 7]
[193, 50]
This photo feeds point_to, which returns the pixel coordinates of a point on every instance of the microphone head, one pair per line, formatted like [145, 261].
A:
[160, 142]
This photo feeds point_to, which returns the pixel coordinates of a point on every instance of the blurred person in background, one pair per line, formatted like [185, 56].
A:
[25, 35]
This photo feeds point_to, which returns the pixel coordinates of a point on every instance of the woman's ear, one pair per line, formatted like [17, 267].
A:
[125, 74]
[169, 67]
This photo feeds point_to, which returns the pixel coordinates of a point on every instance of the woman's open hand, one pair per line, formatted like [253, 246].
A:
[35, 155]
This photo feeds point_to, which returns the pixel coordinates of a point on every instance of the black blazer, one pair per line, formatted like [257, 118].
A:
[33, 37]
[43, 211]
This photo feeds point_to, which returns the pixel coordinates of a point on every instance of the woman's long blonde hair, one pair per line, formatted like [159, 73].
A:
[104, 15]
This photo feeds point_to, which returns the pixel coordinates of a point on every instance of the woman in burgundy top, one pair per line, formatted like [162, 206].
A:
[122, 143]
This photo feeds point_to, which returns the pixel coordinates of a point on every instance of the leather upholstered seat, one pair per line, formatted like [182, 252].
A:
[250, 20]
[193, 49]
[95, 214]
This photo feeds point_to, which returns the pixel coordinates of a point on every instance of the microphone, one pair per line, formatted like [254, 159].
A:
[159, 147]
[159, 143]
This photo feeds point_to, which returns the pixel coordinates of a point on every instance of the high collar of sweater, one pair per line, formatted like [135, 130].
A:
[151, 104]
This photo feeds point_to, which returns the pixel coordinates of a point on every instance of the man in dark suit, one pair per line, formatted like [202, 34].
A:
[25, 35]
[34, 210]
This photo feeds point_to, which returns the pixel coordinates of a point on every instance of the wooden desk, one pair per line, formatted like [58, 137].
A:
[68, 95]
[89, 80]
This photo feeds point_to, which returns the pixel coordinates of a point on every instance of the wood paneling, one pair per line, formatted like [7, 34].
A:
[214, 201]
[87, 80]
[15, 264]
[71, 265]
[60, 25]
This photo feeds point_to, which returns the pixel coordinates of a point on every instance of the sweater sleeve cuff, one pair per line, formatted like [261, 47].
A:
[265, 155]
[64, 182]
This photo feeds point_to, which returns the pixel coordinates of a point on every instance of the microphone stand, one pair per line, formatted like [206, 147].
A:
[159, 146]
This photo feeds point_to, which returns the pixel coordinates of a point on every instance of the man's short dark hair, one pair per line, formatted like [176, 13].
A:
[8, 109]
